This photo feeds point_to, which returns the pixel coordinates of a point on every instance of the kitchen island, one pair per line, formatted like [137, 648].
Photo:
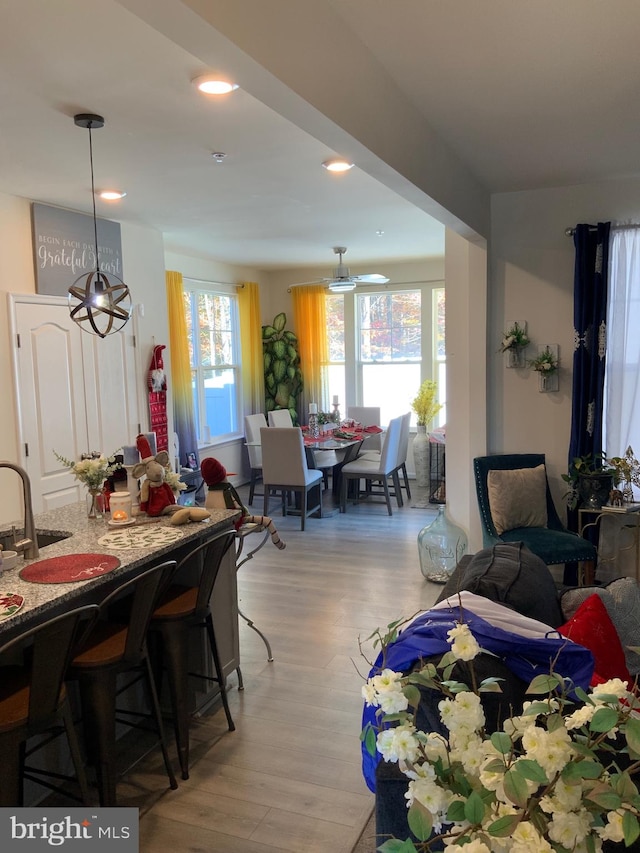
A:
[80, 535]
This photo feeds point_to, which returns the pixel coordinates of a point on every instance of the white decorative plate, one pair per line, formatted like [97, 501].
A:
[144, 536]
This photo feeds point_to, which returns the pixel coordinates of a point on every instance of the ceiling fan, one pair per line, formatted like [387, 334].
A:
[342, 281]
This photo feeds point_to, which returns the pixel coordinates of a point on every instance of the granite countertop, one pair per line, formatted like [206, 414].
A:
[82, 535]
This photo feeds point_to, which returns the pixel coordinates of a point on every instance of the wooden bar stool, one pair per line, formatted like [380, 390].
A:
[33, 700]
[114, 648]
[181, 608]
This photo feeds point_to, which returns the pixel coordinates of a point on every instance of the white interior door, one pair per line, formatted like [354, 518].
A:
[76, 392]
[51, 400]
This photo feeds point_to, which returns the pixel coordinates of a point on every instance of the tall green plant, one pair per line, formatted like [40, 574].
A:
[282, 375]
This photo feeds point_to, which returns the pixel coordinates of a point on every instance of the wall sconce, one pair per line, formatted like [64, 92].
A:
[98, 303]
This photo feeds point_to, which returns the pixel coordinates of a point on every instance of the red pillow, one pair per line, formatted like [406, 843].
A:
[591, 627]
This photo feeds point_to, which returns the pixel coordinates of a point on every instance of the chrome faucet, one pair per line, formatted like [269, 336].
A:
[29, 544]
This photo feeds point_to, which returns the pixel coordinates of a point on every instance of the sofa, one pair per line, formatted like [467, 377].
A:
[602, 619]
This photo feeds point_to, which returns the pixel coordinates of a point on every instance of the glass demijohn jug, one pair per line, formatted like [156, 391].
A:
[441, 544]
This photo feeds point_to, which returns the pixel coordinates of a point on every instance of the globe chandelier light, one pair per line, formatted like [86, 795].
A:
[99, 303]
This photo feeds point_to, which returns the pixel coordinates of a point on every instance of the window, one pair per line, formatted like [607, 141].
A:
[213, 332]
[379, 352]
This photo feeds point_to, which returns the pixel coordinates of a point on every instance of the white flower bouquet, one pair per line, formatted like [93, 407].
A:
[558, 778]
[174, 481]
[92, 470]
[514, 338]
[545, 362]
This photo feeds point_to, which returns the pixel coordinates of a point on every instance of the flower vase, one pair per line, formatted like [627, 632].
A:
[421, 459]
[94, 503]
[515, 357]
[441, 544]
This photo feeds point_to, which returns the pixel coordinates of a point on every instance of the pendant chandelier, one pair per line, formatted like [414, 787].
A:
[99, 303]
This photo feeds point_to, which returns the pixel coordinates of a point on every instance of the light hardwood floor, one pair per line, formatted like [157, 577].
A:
[288, 779]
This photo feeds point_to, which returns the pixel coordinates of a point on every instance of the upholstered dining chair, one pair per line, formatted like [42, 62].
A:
[285, 469]
[376, 471]
[367, 416]
[252, 426]
[515, 505]
[280, 418]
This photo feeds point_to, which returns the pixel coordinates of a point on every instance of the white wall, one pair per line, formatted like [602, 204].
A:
[531, 279]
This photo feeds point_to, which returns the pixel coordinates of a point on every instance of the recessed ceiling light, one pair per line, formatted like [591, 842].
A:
[111, 195]
[337, 164]
[212, 84]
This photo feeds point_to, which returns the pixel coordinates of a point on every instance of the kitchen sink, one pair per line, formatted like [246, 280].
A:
[44, 537]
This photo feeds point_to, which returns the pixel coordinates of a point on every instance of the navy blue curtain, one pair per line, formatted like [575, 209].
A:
[589, 320]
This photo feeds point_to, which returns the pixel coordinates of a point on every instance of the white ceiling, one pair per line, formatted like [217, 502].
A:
[525, 94]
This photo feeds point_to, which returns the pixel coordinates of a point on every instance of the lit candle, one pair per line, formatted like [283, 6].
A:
[335, 400]
[313, 408]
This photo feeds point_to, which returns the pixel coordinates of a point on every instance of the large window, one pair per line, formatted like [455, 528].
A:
[383, 344]
[213, 332]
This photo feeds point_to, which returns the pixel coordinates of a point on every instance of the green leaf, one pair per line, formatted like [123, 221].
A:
[502, 742]
[495, 766]
[412, 694]
[630, 828]
[370, 740]
[531, 770]
[504, 826]
[583, 696]
[604, 796]
[474, 808]
[582, 749]
[536, 708]
[624, 786]
[280, 321]
[420, 821]
[515, 787]
[555, 722]
[490, 686]
[632, 734]
[603, 720]
[394, 845]
[581, 770]
[447, 659]
[544, 684]
[455, 812]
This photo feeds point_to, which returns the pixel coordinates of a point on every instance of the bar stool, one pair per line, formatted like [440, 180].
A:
[180, 608]
[33, 700]
[113, 648]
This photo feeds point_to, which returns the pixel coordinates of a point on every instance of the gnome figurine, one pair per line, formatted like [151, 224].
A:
[156, 496]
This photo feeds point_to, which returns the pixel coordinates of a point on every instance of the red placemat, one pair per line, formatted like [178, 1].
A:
[73, 567]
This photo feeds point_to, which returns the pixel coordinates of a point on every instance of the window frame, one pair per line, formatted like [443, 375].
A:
[194, 288]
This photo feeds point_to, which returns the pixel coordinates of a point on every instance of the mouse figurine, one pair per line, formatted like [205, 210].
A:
[222, 495]
[156, 496]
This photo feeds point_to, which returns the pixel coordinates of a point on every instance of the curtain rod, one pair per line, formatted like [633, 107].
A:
[208, 281]
[569, 232]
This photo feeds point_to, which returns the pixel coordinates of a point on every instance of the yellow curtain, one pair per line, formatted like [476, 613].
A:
[251, 347]
[310, 317]
[183, 416]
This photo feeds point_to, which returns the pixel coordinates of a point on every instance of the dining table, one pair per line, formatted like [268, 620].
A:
[345, 443]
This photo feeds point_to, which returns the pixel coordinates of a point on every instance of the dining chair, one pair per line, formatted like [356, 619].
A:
[374, 471]
[117, 645]
[184, 605]
[367, 416]
[34, 700]
[285, 470]
[280, 418]
[252, 426]
[515, 505]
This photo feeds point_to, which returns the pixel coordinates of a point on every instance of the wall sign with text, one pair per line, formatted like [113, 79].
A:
[64, 247]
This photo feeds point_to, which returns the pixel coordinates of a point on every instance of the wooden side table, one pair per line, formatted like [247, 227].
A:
[629, 518]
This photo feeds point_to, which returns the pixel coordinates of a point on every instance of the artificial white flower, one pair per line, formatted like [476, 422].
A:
[613, 830]
[475, 846]
[464, 645]
[398, 743]
[614, 687]
[570, 828]
[580, 717]
[527, 839]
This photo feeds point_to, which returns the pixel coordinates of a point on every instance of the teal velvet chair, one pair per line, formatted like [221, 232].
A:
[554, 544]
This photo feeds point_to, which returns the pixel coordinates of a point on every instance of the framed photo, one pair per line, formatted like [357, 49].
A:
[192, 461]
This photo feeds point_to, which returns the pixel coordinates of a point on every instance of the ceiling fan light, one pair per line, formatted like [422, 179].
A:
[214, 85]
[341, 286]
[337, 164]
[111, 195]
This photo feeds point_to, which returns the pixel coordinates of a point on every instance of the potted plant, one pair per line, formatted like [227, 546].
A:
[628, 472]
[590, 477]
[514, 341]
[426, 407]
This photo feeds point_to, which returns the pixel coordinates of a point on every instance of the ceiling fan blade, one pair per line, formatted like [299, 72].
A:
[371, 278]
